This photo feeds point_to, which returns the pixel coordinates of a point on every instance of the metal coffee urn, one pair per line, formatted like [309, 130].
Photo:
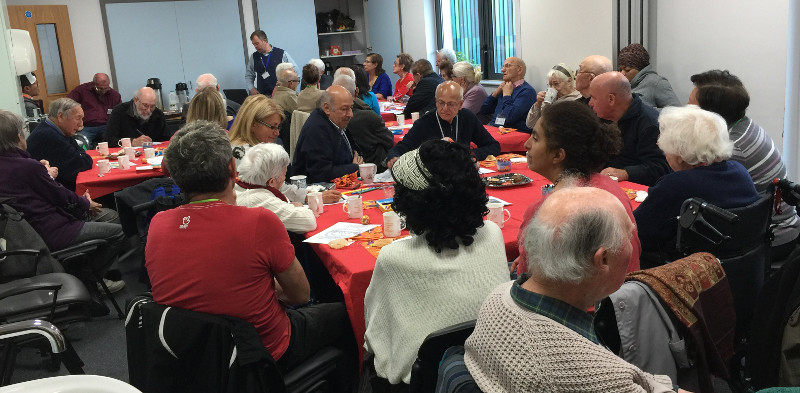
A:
[155, 84]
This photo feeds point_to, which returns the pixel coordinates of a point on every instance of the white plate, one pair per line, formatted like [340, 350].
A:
[144, 167]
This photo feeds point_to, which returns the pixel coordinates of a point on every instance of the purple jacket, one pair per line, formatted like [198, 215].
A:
[43, 201]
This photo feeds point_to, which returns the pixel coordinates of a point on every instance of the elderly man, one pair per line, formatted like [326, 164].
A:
[723, 93]
[308, 99]
[138, 119]
[325, 150]
[285, 93]
[52, 141]
[367, 127]
[260, 269]
[30, 89]
[509, 104]
[209, 80]
[445, 53]
[533, 334]
[590, 68]
[450, 122]
[425, 82]
[261, 72]
[97, 99]
[640, 161]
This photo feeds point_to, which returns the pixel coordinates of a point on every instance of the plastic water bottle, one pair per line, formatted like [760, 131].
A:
[173, 101]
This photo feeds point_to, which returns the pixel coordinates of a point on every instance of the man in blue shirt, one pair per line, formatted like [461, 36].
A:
[260, 74]
[509, 104]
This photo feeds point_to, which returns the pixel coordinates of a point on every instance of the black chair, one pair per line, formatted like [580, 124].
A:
[12, 333]
[425, 369]
[236, 95]
[176, 350]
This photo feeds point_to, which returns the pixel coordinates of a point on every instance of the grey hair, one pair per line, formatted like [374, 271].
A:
[345, 71]
[318, 63]
[63, 106]
[281, 67]
[197, 158]
[448, 54]
[206, 80]
[263, 162]
[12, 128]
[325, 98]
[470, 73]
[695, 135]
[560, 74]
[285, 75]
[347, 82]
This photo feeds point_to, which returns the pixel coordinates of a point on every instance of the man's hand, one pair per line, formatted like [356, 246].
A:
[620, 174]
[391, 162]
[540, 98]
[138, 141]
[253, 91]
[508, 88]
[498, 90]
[331, 196]
[357, 159]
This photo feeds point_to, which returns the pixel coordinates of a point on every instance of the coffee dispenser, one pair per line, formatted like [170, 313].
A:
[155, 84]
[183, 95]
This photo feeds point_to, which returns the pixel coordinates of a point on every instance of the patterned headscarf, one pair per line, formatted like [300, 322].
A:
[410, 171]
[633, 56]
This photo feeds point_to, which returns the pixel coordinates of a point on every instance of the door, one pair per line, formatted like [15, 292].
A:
[383, 19]
[56, 67]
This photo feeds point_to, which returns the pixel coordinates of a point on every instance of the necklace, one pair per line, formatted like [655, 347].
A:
[439, 122]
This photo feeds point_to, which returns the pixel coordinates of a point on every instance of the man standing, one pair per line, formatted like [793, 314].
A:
[138, 119]
[52, 141]
[590, 68]
[640, 161]
[261, 64]
[449, 121]
[324, 150]
[30, 89]
[285, 93]
[509, 104]
[97, 99]
[425, 82]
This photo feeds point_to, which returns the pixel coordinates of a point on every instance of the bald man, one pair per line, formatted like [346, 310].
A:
[590, 68]
[509, 104]
[138, 119]
[97, 99]
[325, 149]
[640, 161]
[449, 121]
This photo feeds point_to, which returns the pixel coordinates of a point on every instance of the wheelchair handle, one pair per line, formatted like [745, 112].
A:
[721, 213]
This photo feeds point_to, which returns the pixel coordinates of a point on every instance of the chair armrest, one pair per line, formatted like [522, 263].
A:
[25, 288]
[76, 249]
[31, 252]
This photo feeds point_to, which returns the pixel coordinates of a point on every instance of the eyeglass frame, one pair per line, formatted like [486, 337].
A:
[271, 127]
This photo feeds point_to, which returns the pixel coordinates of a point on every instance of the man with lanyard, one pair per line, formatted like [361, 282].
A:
[261, 65]
[449, 122]
[508, 105]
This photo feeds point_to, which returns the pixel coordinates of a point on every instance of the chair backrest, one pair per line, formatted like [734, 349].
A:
[286, 130]
[236, 95]
[17, 234]
[298, 120]
[425, 369]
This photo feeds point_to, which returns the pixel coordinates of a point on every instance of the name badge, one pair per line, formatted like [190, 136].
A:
[108, 111]
[500, 121]
[265, 75]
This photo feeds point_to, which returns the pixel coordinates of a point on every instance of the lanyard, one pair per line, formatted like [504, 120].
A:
[269, 55]
[205, 200]
[442, 131]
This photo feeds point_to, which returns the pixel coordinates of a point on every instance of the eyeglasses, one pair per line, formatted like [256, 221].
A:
[451, 105]
[584, 72]
[263, 123]
[295, 81]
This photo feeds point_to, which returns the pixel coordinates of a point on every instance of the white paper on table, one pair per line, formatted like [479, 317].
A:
[155, 160]
[519, 159]
[483, 171]
[498, 200]
[340, 230]
[384, 177]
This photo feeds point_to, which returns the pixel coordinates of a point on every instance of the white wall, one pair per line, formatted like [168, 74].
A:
[746, 37]
[417, 20]
[10, 94]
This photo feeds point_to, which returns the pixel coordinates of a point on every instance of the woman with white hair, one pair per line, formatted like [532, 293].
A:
[697, 147]
[561, 79]
[469, 77]
[261, 174]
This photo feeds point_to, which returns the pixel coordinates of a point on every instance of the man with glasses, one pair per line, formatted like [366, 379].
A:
[425, 82]
[97, 99]
[138, 119]
[509, 104]
[285, 93]
[589, 69]
[450, 122]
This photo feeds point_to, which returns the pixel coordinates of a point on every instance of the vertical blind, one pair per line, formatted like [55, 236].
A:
[466, 26]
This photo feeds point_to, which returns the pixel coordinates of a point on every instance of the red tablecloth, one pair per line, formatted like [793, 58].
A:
[389, 116]
[116, 179]
[512, 142]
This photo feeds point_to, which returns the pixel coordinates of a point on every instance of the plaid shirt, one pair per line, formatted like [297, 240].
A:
[573, 318]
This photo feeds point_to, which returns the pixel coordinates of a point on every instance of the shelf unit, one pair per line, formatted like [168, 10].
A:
[348, 41]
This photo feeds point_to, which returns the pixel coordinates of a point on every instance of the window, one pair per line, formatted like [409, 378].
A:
[479, 31]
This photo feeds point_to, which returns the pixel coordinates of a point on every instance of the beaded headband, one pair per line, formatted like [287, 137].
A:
[410, 171]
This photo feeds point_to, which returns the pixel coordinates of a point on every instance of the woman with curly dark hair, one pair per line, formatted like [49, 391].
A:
[441, 275]
[569, 144]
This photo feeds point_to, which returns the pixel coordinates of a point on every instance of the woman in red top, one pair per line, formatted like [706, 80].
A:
[402, 67]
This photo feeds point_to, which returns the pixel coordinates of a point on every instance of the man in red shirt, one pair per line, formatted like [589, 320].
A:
[215, 257]
[97, 99]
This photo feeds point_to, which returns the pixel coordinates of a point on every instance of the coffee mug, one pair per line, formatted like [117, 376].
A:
[299, 181]
[149, 153]
[124, 142]
[315, 202]
[147, 145]
[130, 152]
[352, 206]
[124, 162]
[392, 224]
[497, 213]
[103, 167]
[550, 95]
[367, 172]
[415, 116]
[401, 120]
[102, 148]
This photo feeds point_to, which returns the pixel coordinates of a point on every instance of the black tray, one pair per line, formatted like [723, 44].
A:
[507, 179]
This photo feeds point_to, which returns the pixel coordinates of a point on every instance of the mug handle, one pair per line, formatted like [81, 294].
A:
[345, 208]
[119, 143]
[509, 215]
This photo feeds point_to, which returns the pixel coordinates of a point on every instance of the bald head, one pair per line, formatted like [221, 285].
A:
[513, 69]
[206, 80]
[101, 83]
[611, 95]
[590, 68]
[337, 103]
[449, 90]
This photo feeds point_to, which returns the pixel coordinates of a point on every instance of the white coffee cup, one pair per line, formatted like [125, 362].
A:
[315, 202]
[124, 162]
[352, 206]
[102, 148]
[415, 116]
[497, 213]
[124, 142]
[130, 152]
[149, 153]
[299, 180]
[401, 120]
[367, 172]
[550, 95]
[103, 167]
[392, 224]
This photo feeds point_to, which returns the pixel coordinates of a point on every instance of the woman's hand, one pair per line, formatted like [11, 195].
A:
[540, 98]
[331, 196]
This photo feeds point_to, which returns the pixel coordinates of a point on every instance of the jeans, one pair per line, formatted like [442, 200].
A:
[93, 133]
[105, 225]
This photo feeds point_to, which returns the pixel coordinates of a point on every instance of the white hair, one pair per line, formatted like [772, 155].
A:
[558, 71]
[448, 53]
[470, 73]
[205, 80]
[281, 67]
[695, 135]
[347, 82]
[285, 75]
[64, 106]
[345, 71]
[318, 63]
[263, 162]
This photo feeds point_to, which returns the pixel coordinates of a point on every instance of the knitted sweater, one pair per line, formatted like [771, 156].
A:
[516, 350]
[414, 292]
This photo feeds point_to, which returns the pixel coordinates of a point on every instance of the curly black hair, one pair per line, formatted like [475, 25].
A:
[451, 209]
[587, 142]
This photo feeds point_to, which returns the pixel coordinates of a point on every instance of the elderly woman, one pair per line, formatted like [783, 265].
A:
[634, 62]
[378, 79]
[402, 67]
[209, 105]
[697, 148]
[446, 69]
[261, 174]
[469, 78]
[441, 275]
[569, 142]
[560, 78]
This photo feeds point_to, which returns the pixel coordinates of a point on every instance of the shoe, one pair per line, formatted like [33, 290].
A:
[98, 308]
[113, 286]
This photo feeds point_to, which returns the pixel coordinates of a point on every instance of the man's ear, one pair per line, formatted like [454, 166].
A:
[601, 259]
[232, 168]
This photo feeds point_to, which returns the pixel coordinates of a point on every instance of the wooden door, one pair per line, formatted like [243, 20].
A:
[56, 67]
